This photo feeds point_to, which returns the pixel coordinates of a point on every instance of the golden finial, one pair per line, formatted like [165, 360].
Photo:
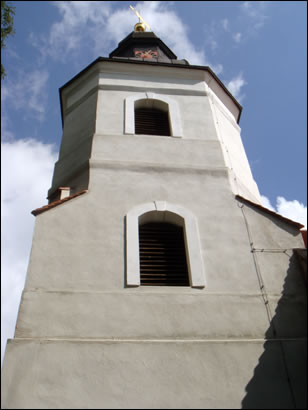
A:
[141, 26]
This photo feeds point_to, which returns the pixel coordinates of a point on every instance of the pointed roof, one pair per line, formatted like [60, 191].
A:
[143, 45]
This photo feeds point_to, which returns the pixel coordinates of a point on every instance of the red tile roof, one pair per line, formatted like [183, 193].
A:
[56, 203]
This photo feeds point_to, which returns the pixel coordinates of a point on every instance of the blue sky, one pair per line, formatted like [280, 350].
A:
[258, 50]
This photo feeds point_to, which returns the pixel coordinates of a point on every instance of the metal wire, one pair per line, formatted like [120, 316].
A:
[259, 276]
[265, 298]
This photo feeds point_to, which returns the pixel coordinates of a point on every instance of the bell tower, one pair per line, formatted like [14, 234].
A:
[146, 286]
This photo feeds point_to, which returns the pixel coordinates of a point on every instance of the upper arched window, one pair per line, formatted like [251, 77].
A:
[152, 117]
[152, 114]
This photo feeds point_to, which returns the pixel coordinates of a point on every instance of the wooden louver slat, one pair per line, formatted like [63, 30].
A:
[162, 255]
[151, 121]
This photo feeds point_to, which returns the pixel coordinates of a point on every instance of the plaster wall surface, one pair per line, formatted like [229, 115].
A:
[162, 151]
[79, 320]
[140, 315]
[228, 132]
[95, 103]
[152, 374]
[79, 124]
[70, 281]
[171, 80]
[94, 225]
[195, 113]
[84, 339]
[72, 168]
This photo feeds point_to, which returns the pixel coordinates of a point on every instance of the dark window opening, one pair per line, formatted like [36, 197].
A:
[151, 121]
[162, 255]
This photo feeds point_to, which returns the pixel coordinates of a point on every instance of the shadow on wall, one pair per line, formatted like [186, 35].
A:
[280, 377]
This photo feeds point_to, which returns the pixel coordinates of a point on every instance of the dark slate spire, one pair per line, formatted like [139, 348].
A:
[145, 46]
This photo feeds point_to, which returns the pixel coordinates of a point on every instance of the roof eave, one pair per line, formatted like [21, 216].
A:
[268, 211]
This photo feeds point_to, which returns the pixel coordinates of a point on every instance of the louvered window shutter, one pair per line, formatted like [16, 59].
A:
[151, 121]
[162, 255]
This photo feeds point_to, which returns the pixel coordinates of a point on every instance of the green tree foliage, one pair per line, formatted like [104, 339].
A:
[7, 20]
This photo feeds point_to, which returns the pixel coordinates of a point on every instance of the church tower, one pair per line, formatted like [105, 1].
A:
[156, 277]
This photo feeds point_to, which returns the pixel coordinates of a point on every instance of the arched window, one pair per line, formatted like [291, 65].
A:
[174, 231]
[162, 255]
[152, 117]
[154, 114]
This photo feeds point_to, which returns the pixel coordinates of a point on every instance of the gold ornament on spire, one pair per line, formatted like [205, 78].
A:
[142, 25]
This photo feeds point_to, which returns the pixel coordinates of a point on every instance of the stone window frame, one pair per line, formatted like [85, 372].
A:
[159, 211]
[173, 111]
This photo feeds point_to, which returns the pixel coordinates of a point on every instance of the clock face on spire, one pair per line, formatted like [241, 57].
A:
[147, 53]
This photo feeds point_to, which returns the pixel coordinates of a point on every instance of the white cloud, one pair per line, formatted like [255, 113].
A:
[80, 21]
[237, 37]
[251, 18]
[213, 31]
[36, 90]
[266, 203]
[225, 24]
[26, 171]
[29, 95]
[217, 68]
[235, 86]
[213, 43]
[95, 23]
[290, 209]
[255, 12]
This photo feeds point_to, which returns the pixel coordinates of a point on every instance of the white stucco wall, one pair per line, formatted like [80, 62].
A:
[98, 103]
[83, 338]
